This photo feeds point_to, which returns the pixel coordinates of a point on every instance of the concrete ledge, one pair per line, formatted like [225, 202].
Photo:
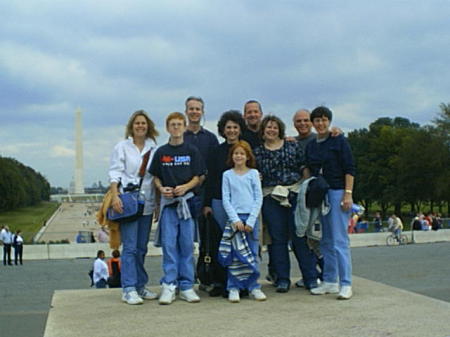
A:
[376, 310]
[73, 250]
[431, 236]
[379, 239]
[89, 250]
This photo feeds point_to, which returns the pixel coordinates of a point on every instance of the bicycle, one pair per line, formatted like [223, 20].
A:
[393, 239]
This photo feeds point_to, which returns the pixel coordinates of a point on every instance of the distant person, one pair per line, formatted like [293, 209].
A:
[352, 223]
[397, 227]
[361, 225]
[377, 222]
[426, 224]
[80, 238]
[103, 235]
[429, 219]
[416, 223]
[436, 222]
[18, 247]
[100, 275]
[114, 270]
[391, 223]
[127, 159]
[7, 240]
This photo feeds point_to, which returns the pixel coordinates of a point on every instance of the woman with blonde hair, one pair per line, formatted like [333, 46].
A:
[126, 163]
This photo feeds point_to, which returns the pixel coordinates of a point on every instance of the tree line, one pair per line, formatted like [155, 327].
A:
[21, 185]
[402, 163]
[398, 162]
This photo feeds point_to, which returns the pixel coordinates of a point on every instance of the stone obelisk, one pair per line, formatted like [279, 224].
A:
[79, 185]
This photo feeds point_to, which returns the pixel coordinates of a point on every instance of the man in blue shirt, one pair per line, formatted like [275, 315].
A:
[253, 116]
[204, 140]
[195, 133]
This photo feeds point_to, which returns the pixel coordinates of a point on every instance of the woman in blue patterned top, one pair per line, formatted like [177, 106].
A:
[280, 163]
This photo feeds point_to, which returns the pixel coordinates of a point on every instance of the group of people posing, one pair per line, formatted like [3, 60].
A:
[250, 181]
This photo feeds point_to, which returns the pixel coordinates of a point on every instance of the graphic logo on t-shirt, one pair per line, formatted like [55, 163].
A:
[166, 159]
[175, 160]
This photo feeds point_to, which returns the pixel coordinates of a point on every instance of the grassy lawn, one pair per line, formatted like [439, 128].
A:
[28, 219]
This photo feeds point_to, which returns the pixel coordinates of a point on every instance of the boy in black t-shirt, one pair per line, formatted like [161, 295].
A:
[177, 167]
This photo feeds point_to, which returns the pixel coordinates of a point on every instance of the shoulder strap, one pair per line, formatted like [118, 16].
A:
[144, 163]
[144, 166]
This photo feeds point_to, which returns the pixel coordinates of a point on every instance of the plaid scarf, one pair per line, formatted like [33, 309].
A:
[236, 255]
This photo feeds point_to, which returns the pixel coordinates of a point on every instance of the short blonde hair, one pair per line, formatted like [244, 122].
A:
[152, 133]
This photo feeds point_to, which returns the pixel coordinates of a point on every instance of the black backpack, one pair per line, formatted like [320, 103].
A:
[91, 275]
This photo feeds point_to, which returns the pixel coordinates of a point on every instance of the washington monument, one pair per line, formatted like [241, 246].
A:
[79, 184]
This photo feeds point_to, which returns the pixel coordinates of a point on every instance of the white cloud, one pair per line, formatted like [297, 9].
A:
[364, 60]
[58, 151]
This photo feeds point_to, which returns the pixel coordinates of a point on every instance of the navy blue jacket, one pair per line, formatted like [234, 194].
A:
[335, 156]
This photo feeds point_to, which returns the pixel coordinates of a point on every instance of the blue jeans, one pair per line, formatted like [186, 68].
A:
[335, 244]
[278, 219]
[307, 260]
[254, 247]
[177, 241]
[101, 284]
[281, 224]
[134, 236]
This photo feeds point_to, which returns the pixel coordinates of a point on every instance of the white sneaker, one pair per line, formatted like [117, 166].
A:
[233, 296]
[147, 294]
[167, 293]
[345, 293]
[325, 288]
[189, 296]
[258, 295]
[300, 284]
[132, 298]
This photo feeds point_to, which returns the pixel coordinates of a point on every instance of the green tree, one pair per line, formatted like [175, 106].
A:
[442, 121]
[20, 185]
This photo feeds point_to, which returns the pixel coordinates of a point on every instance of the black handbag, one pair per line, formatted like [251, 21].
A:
[209, 271]
[132, 206]
[317, 189]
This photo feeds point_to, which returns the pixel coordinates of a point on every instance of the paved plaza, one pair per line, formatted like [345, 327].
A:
[68, 220]
[26, 294]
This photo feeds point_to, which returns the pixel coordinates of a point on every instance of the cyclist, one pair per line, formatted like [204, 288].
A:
[397, 226]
